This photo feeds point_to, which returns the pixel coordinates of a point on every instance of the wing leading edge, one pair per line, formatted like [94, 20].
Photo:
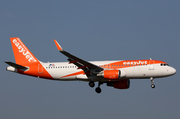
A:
[88, 68]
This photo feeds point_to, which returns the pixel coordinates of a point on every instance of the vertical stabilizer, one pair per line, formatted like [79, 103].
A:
[21, 53]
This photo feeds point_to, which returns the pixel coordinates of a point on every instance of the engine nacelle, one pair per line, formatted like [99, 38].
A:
[112, 74]
[121, 84]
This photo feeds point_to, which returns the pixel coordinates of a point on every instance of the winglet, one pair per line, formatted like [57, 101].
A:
[58, 46]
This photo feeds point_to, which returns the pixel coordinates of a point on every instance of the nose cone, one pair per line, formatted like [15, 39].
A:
[173, 70]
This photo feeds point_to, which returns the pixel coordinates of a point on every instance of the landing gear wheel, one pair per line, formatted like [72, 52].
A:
[98, 90]
[152, 86]
[152, 81]
[91, 84]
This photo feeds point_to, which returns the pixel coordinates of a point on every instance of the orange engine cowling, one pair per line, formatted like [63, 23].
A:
[112, 74]
[121, 84]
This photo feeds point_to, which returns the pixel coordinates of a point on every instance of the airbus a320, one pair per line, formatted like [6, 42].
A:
[116, 74]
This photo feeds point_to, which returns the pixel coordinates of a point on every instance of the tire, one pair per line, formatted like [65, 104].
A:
[152, 86]
[91, 84]
[98, 90]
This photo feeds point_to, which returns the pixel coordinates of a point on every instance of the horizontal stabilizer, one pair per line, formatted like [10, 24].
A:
[16, 65]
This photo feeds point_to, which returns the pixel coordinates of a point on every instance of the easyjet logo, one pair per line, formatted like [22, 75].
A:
[135, 62]
[24, 51]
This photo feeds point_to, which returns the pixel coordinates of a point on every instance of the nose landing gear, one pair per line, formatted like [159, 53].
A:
[152, 81]
[152, 86]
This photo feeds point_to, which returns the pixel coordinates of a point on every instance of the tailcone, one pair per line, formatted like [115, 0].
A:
[12, 69]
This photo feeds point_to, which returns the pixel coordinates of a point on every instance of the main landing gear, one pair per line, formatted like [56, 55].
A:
[98, 89]
[152, 81]
[91, 84]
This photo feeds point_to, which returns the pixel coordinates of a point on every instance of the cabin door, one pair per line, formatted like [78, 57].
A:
[40, 68]
[151, 64]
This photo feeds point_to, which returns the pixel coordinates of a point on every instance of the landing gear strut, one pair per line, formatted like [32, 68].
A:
[152, 81]
[98, 89]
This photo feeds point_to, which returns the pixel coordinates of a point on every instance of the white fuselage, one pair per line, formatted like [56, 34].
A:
[65, 71]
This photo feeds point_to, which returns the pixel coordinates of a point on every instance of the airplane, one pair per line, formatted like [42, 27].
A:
[115, 73]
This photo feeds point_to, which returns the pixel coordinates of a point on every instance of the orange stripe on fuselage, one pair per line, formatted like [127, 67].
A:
[74, 74]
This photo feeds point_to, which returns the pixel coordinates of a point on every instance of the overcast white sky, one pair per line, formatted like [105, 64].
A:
[91, 30]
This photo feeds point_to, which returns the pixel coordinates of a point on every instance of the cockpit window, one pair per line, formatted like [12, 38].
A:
[162, 64]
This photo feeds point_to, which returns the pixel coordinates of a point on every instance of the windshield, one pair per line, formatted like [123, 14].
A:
[163, 64]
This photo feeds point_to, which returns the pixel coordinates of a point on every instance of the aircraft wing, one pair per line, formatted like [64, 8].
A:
[88, 68]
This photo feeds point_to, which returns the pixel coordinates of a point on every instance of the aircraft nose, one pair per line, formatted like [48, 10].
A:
[173, 70]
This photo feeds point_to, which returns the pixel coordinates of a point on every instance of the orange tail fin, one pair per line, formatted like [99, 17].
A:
[21, 53]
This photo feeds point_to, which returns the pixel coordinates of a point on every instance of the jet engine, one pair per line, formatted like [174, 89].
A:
[112, 74]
